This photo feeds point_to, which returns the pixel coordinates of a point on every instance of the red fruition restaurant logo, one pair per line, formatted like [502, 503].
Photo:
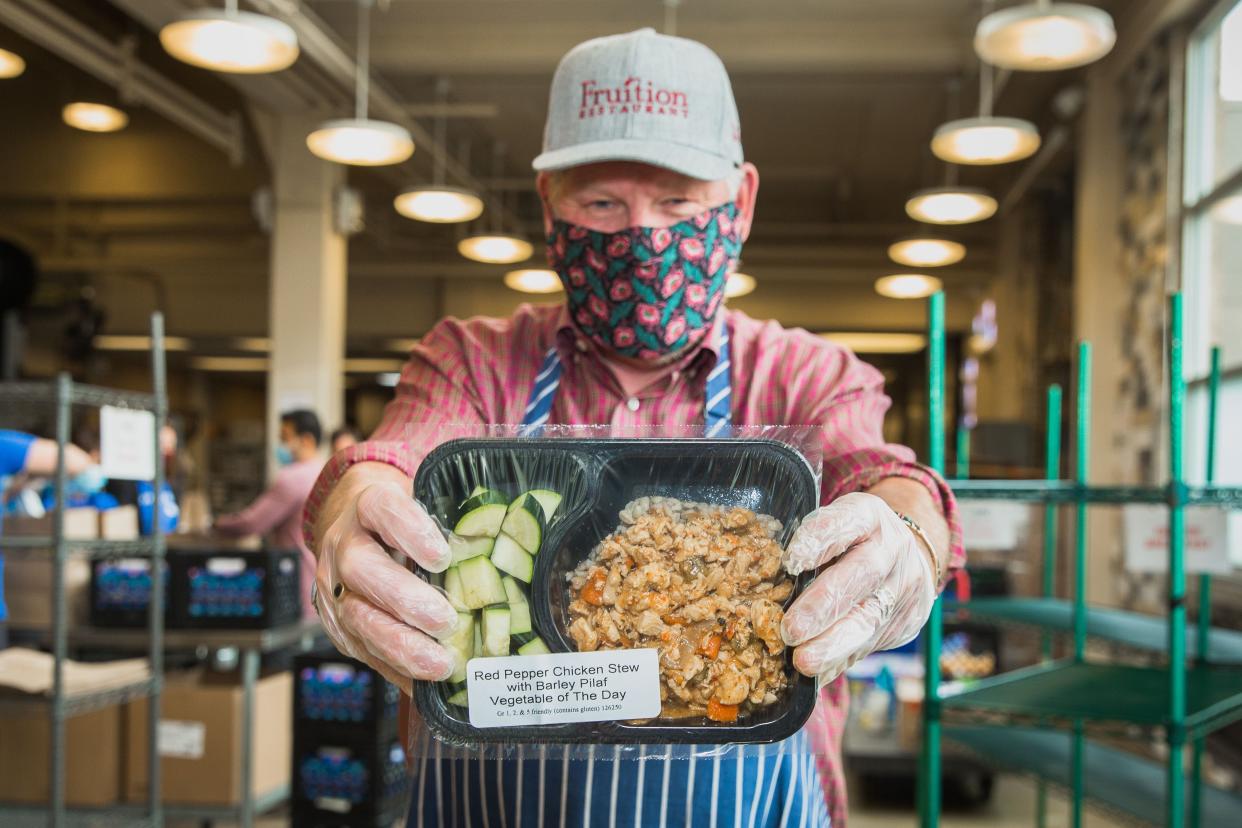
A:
[633, 96]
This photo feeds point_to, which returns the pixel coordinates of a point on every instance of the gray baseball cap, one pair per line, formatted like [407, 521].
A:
[646, 97]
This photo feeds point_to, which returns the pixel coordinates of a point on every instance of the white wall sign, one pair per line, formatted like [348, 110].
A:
[1146, 528]
[993, 525]
[127, 443]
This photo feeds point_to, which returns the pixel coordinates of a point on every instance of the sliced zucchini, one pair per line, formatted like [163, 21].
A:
[478, 637]
[477, 490]
[480, 520]
[480, 584]
[533, 647]
[464, 549]
[461, 644]
[524, 523]
[509, 556]
[452, 588]
[522, 638]
[460, 699]
[549, 500]
[515, 591]
[519, 618]
[496, 631]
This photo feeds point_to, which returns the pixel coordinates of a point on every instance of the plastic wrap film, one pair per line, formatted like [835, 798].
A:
[658, 554]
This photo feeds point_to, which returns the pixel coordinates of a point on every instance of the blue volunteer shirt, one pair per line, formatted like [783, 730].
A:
[14, 449]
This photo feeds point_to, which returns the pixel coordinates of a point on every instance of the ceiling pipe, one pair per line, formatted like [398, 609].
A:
[114, 64]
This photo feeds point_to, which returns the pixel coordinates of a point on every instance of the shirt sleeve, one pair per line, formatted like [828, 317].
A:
[435, 400]
[846, 396]
[14, 449]
[269, 510]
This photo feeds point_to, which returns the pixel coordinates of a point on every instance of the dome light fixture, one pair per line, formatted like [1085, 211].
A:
[360, 141]
[926, 251]
[228, 40]
[984, 140]
[94, 117]
[1045, 36]
[498, 248]
[533, 280]
[739, 284]
[951, 205]
[908, 285]
[439, 204]
[11, 64]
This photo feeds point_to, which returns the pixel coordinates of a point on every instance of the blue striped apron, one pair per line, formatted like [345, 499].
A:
[605, 785]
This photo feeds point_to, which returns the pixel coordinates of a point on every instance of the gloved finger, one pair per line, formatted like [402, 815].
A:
[854, 634]
[410, 651]
[389, 512]
[393, 675]
[835, 592]
[831, 530]
[365, 569]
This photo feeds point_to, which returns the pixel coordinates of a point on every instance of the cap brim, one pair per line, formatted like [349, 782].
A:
[685, 160]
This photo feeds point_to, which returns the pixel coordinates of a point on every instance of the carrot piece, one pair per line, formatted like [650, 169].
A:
[593, 592]
[718, 712]
[710, 645]
[731, 629]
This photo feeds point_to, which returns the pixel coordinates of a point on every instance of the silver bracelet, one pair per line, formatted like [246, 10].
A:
[922, 536]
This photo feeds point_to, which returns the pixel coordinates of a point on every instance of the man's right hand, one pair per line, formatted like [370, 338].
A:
[373, 608]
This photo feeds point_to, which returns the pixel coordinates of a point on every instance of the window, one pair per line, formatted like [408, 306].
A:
[1212, 240]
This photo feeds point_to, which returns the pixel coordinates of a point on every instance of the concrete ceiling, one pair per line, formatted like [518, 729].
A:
[838, 100]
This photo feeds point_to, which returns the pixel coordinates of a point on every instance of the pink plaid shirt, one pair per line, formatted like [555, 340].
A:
[481, 371]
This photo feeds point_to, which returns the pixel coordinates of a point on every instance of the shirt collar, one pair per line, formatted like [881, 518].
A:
[571, 342]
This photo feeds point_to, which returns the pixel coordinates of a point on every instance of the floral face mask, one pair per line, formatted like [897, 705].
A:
[647, 292]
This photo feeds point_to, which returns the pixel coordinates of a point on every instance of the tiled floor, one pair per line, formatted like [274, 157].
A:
[1012, 805]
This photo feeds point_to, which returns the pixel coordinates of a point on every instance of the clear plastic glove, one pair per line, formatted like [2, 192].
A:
[875, 594]
[372, 607]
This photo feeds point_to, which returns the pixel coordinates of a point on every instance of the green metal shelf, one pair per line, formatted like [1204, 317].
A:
[1121, 781]
[1132, 629]
[17, 393]
[133, 548]
[1068, 491]
[81, 703]
[1068, 691]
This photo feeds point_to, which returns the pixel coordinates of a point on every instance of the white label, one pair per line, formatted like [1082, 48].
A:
[182, 740]
[226, 566]
[1147, 539]
[992, 526]
[557, 688]
[126, 443]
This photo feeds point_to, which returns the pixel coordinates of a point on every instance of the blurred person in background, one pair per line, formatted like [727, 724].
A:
[277, 513]
[25, 454]
[344, 437]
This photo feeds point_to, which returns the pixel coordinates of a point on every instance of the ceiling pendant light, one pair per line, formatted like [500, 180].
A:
[985, 139]
[926, 251]
[1044, 36]
[499, 248]
[1228, 210]
[951, 205]
[11, 64]
[739, 284]
[533, 280]
[94, 117]
[228, 40]
[908, 285]
[438, 202]
[360, 141]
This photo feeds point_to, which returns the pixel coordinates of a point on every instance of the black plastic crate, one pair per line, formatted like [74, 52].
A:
[235, 590]
[597, 478]
[120, 592]
[349, 782]
[333, 691]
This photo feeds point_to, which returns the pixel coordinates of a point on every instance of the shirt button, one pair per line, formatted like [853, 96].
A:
[582, 346]
[632, 404]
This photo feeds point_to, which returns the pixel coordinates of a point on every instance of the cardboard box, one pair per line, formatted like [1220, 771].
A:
[28, 588]
[81, 523]
[200, 740]
[92, 757]
[119, 524]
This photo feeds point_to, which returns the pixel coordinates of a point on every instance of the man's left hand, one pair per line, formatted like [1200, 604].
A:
[876, 593]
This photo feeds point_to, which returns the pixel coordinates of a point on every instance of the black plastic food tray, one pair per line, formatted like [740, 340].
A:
[597, 478]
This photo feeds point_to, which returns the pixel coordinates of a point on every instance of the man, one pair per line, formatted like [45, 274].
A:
[343, 438]
[20, 454]
[277, 513]
[642, 153]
